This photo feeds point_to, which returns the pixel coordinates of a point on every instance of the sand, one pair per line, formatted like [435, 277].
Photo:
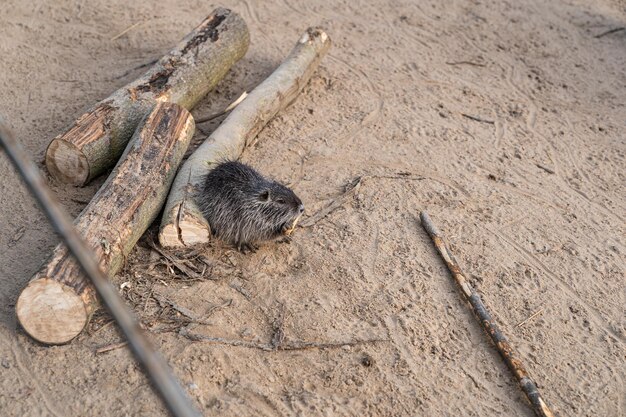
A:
[505, 120]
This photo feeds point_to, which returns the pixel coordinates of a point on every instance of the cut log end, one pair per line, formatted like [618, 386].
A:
[67, 163]
[51, 312]
[184, 231]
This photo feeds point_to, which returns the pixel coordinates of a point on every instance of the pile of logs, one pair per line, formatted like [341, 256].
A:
[144, 129]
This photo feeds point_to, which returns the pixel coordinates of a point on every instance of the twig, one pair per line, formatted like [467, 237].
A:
[487, 322]
[104, 326]
[269, 347]
[19, 233]
[214, 308]
[476, 64]
[147, 64]
[398, 176]
[191, 316]
[477, 119]
[241, 290]
[278, 338]
[351, 189]
[532, 316]
[109, 348]
[125, 31]
[178, 263]
[545, 168]
[608, 32]
[223, 112]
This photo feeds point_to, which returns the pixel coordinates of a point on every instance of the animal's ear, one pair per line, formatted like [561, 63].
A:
[264, 195]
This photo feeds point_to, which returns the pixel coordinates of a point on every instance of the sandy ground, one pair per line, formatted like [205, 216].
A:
[532, 198]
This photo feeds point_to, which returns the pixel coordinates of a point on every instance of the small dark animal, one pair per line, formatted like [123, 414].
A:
[244, 208]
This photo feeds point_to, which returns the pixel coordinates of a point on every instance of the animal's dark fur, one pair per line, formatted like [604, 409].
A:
[244, 208]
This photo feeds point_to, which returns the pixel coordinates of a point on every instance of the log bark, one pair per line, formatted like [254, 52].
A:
[183, 224]
[183, 76]
[58, 302]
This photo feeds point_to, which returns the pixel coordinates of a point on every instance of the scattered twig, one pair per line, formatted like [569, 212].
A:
[269, 347]
[532, 316]
[486, 321]
[147, 64]
[278, 338]
[125, 31]
[351, 189]
[214, 308]
[476, 64]
[104, 326]
[19, 233]
[190, 315]
[398, 176]
[545, 168]
[109, 348]
[608, 32]
[241, 290]
[477, 119]
[178, 263]
[223, 112]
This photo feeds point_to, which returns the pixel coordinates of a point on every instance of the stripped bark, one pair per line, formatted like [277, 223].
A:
[487, 322]
[58, 302]
[183, 224]
[183, 76]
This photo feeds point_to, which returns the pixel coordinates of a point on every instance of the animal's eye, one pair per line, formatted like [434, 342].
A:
[280, 201]
[264, 196]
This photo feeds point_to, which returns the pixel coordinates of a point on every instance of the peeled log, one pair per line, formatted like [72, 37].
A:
[183, 223]
[183, 76]
[58, 302]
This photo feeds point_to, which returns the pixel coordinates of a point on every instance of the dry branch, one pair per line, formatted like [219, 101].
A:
[487, 322]
[183, 223]
[351, 190]
[183, 76]
[58, 302]
[270, 347]
[109, 348]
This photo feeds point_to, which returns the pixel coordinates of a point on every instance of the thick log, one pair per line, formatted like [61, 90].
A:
[183, 76]
[58, 302]
[183, 224]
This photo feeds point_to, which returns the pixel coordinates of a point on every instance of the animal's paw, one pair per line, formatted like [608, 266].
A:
[287, 230]
[246, 248]
[284, 239]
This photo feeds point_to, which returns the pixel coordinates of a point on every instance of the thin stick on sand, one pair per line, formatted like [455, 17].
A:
[487, 322]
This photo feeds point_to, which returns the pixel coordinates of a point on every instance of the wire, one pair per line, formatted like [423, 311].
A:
[153, 363]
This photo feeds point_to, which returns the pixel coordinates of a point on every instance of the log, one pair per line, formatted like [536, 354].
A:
[58, 302]
[183, 224]
[183, 76]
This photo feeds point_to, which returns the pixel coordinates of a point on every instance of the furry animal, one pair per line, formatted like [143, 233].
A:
[244, 208]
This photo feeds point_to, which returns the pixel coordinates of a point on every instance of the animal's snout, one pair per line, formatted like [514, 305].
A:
[301, 208]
